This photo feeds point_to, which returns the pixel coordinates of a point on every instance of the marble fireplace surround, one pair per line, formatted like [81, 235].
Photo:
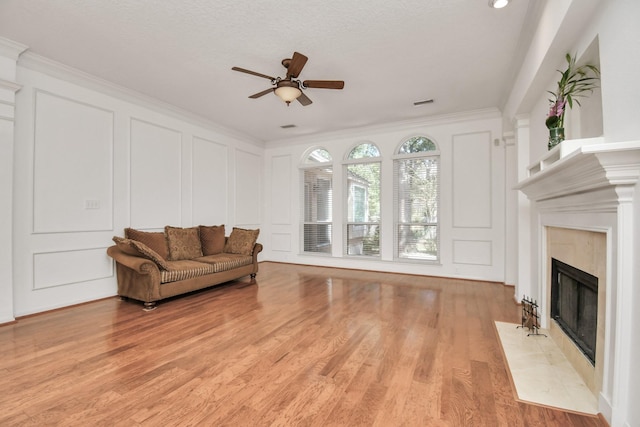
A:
[585, 250]
[582, 192]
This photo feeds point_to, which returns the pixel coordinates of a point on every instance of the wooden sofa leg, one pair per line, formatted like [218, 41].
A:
[149, 306]
[253, 276]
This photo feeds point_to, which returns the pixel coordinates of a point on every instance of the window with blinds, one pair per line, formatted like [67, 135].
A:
[362, 171]
[416, 197]
[317, 181]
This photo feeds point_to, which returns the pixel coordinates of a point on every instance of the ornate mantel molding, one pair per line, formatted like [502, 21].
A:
[583, 173]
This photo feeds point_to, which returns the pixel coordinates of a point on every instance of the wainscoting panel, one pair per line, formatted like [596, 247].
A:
[281, 242]
[60, 268]
[248, 185]
[155, 175]
[472, 180]
[73, 166]
[281, 189]
[475, 252]
[210, 182]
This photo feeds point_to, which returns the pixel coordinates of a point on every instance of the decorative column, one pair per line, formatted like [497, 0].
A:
[9, 53]
[526, 281]
[511, 209]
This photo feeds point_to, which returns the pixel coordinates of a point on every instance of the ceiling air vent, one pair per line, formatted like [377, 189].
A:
[426, 101]
[287, 126]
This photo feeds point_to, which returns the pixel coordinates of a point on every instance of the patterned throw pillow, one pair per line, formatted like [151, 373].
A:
[212, 239]
[241, 241]
[184, 243]
[133, 247]
[155, 240]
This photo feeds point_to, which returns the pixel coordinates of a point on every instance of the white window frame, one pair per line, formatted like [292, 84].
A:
[306, 166]
[430, 154]
[346, 163]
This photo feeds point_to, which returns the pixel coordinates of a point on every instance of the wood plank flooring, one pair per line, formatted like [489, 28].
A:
[304, 346]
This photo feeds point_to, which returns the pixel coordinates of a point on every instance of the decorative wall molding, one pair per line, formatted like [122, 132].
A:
[281, 187]
[209, 166]
[69, 74]
[281, 242]
[90, 264]
[248, 195]
[472, 252]
[151, 144]
[9, 85]
[472, 151]
[61, 184]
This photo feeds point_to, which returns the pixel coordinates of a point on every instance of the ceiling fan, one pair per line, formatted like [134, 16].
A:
[290, 88]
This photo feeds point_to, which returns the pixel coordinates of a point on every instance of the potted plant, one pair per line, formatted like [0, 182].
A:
[575, 82]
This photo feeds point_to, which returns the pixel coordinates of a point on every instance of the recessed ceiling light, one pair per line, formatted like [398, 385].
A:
[498, 4]
[426, 101]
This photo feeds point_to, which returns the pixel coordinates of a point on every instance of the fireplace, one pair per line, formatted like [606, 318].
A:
[585, 203]
[574, 305]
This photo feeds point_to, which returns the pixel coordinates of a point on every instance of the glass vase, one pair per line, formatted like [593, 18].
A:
[556, 136]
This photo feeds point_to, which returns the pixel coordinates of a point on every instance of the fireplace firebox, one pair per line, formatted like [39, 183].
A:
[574, 305]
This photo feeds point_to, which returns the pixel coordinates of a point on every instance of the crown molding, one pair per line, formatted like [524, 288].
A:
[72, 75]
[11, 49]
[404, 125]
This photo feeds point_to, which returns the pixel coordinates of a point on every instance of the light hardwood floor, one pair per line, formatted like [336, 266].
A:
[302, 346]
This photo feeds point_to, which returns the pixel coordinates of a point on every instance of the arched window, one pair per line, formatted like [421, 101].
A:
[416, 199]
[317, 183]
[362, 172]
[417, 144]
[319, 155]
[363, 151]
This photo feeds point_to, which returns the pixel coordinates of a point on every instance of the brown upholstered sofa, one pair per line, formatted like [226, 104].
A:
[152, 266]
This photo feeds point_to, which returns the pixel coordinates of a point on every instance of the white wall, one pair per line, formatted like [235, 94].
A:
[92, 159]
[472, 196]
[619, 35]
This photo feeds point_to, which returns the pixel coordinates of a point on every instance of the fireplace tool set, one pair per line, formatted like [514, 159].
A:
[530, 318]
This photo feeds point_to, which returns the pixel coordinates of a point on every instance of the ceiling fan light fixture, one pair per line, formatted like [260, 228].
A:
[289, 89]
[288, 92]
[498, 4]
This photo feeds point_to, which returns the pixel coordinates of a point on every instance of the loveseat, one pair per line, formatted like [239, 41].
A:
[152, 266]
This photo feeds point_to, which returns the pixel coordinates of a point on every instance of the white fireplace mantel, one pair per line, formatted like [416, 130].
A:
[591, 166]
[592, 185]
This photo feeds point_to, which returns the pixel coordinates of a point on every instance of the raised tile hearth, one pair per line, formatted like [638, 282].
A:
[541, 373]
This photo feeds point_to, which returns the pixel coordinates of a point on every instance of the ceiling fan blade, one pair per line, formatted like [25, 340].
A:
[324, 84]
[304, 100]
[259, 94]
[242, 70]
[296, 64]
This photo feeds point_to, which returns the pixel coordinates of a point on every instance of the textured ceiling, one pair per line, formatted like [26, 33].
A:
[461, 53]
